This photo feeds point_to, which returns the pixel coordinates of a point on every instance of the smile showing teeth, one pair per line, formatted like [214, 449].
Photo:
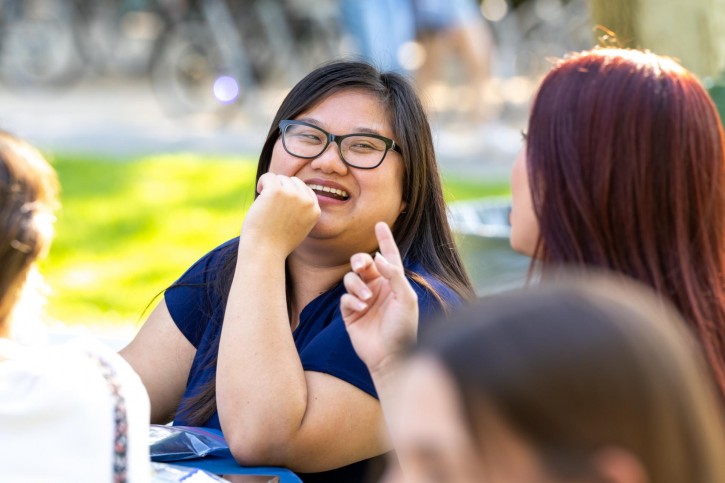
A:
[332, 191]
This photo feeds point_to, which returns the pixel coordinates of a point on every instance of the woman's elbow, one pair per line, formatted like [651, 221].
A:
[252, 451]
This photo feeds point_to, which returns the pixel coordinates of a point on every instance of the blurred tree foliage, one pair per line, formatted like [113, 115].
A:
[619, 17]
[692, 31]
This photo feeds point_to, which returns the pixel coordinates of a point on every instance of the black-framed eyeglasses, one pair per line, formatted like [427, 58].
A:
[359, 150]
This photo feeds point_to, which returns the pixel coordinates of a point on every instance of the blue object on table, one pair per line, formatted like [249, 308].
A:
[226, 465]
[206, 449]
[174, 443]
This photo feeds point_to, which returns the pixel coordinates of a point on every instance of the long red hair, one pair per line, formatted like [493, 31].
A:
[626, 159]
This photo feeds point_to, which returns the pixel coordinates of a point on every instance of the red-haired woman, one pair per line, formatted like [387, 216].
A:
[624, 169]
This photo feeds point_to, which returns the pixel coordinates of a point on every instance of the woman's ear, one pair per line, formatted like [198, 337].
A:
[616, 465]
[403, 207]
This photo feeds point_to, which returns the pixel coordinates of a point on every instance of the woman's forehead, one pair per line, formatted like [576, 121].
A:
[354, 109]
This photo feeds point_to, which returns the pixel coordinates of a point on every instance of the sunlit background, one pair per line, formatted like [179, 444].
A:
[153, 113]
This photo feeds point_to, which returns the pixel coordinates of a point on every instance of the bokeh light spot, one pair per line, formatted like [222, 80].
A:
[494, 10]
[226, 89]
[411, 55]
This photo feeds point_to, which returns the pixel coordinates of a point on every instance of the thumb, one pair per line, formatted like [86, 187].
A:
[264, 180]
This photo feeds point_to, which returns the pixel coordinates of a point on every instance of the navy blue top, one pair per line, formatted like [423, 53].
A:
[320, 337]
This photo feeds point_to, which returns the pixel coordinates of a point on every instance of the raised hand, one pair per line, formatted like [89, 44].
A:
[283, 214]
[380, 309]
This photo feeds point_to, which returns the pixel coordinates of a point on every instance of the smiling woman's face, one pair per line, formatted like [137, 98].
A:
[368, 196]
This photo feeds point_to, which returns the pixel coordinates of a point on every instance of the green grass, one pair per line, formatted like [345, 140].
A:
[460, 189]
[128, 228]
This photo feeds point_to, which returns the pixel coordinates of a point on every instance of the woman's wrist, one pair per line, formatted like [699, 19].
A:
[261, 251]
[388, 368]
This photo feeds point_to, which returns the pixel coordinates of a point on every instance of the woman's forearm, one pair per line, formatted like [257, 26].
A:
[261, 388]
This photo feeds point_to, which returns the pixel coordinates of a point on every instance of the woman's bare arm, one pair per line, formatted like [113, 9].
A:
[272, 411]
[162, 357]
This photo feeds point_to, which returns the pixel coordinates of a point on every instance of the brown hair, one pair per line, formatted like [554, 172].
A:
[585, 366]
[422, 231]
[28, 190]
[625, 153]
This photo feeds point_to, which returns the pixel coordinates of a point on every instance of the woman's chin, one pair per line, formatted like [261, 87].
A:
[521, 246]
[330, 236]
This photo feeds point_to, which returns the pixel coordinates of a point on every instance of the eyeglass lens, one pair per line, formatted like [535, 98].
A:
[359, 150]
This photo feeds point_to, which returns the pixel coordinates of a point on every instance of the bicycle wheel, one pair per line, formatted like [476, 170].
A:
[38, 44]
[120, 35]
[187, 71]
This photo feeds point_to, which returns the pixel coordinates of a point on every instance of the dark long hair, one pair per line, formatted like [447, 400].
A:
[625, 156]
[422, 232]
[585, 366]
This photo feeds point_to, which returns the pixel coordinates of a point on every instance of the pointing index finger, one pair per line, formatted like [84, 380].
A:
[387, 245]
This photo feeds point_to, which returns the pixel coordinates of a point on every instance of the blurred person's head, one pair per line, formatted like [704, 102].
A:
[624, 169]
[420, 224]
[586, 382]
[28, 190]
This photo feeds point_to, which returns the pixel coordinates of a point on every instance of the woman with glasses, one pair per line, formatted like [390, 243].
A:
[250, 339]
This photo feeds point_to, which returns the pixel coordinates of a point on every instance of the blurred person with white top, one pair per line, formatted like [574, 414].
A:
[70, 413]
